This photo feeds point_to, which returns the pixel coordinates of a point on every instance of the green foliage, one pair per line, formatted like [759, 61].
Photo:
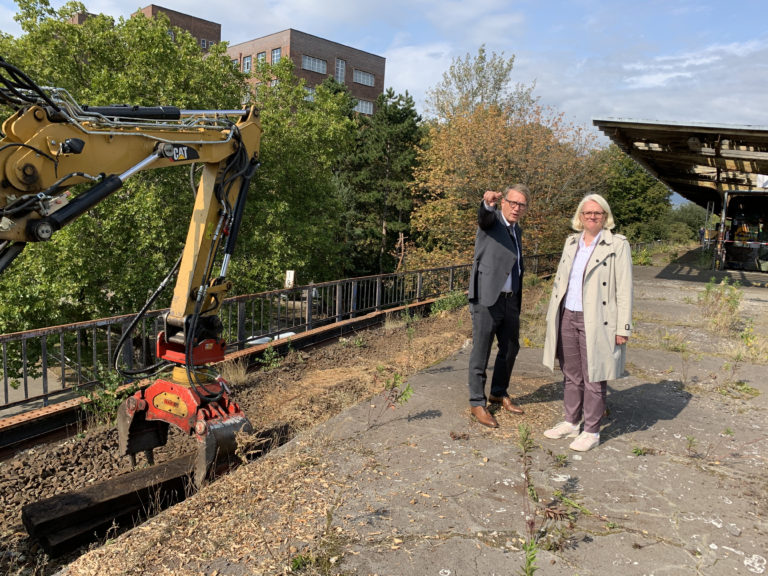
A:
[642, 257]
[270, 358]
[452, 301]
[638, 201]
[693, 216]
[376, 180]
[530, 548]
[292, 219]
[396, 391]
[476, 81]
[105, 398]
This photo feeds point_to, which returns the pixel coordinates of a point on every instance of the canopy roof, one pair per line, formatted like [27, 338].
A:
[699, 162]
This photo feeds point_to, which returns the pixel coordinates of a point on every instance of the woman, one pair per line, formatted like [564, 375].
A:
[589, 319]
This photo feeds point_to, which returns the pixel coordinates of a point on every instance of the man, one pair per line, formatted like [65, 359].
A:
[495, 295]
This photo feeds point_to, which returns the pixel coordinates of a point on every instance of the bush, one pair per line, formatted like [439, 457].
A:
[642, 258]
[452, 301]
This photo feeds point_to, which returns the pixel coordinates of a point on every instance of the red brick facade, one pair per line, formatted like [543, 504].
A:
[363, 71]
[294, 45]
[206, 32]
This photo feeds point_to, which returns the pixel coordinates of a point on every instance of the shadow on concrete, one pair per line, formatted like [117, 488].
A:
[642, 406]
[689, 267]
[630, 408]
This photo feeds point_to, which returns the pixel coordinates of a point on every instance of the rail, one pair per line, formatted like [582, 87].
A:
[41, 365]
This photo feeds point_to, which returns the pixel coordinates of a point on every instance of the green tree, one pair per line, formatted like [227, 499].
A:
[487, 143]
[107, 261]
[293, 217]
[379, 173]
[639, 202]
[477, 81]
[692, 215]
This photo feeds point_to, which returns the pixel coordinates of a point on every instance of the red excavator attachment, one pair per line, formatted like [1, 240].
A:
[201, 409]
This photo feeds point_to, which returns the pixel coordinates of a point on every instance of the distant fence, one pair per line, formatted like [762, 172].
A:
[41, 364]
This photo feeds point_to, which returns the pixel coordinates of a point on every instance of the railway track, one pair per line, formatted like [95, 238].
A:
[68, 520]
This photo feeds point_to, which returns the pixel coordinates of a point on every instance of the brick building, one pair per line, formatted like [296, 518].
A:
[315, 59]
[206, 32]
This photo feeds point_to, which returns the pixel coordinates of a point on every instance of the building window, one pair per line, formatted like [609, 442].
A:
[361, 77]
[310, 96]
[275, 55]
[236, 64]
[261, 57]
[364, 107]
[203, 43]
[341, 71]
[246, 64]
[314, 64]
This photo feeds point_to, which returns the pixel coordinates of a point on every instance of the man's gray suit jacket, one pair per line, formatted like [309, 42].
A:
[495, 255]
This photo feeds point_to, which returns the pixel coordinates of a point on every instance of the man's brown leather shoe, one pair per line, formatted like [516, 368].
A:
[485, 418]
[506, 403]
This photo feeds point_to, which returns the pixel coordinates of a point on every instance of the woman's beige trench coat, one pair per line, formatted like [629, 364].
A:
[607, 300]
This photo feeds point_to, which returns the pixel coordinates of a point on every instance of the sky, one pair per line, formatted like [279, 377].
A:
[684, 61]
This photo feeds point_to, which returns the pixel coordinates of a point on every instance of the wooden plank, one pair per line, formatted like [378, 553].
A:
[63, 522]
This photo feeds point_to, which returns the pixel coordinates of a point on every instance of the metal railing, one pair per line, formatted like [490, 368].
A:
[39, 365]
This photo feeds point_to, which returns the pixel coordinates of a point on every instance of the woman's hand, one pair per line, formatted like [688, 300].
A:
[621, 340]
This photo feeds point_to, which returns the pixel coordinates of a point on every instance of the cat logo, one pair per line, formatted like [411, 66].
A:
[181, 153]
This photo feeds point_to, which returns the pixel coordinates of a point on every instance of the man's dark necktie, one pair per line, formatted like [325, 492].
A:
[516, 268]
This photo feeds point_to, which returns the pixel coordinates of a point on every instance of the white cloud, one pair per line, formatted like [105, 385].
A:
[655, 80]
[417, 69]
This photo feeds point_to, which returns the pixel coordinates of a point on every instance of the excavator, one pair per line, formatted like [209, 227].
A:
[49, 145]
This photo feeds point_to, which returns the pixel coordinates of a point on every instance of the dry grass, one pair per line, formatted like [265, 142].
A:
[277, 514]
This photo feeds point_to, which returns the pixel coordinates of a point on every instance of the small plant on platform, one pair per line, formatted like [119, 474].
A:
[105, 397]
[559, 460]
[394, 392]
[720, 304]
[270, 358]
[690, 446]
[530, 546]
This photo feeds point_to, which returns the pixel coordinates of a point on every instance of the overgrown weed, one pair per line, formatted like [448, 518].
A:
[105, 397]
[453, 301]
[720, 303]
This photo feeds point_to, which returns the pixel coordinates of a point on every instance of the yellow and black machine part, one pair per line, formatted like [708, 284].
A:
[50, 144]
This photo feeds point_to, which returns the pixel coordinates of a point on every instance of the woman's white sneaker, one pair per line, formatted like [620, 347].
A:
[563, 430]
[585, 441]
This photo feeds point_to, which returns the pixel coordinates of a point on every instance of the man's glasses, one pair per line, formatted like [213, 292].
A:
[593, 214]
[513, 204]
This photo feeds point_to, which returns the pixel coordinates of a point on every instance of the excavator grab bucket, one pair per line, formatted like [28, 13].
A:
[205, 412]
[217, 450]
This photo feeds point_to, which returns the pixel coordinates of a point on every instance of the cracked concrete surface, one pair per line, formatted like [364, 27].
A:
[677, 486]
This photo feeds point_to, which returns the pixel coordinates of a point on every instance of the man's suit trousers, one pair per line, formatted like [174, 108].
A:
[502, 321]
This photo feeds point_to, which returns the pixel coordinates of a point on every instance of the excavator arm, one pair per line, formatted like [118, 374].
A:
[51, 143]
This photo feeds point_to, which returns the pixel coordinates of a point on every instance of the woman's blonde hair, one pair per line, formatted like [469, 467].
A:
[608, 223]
